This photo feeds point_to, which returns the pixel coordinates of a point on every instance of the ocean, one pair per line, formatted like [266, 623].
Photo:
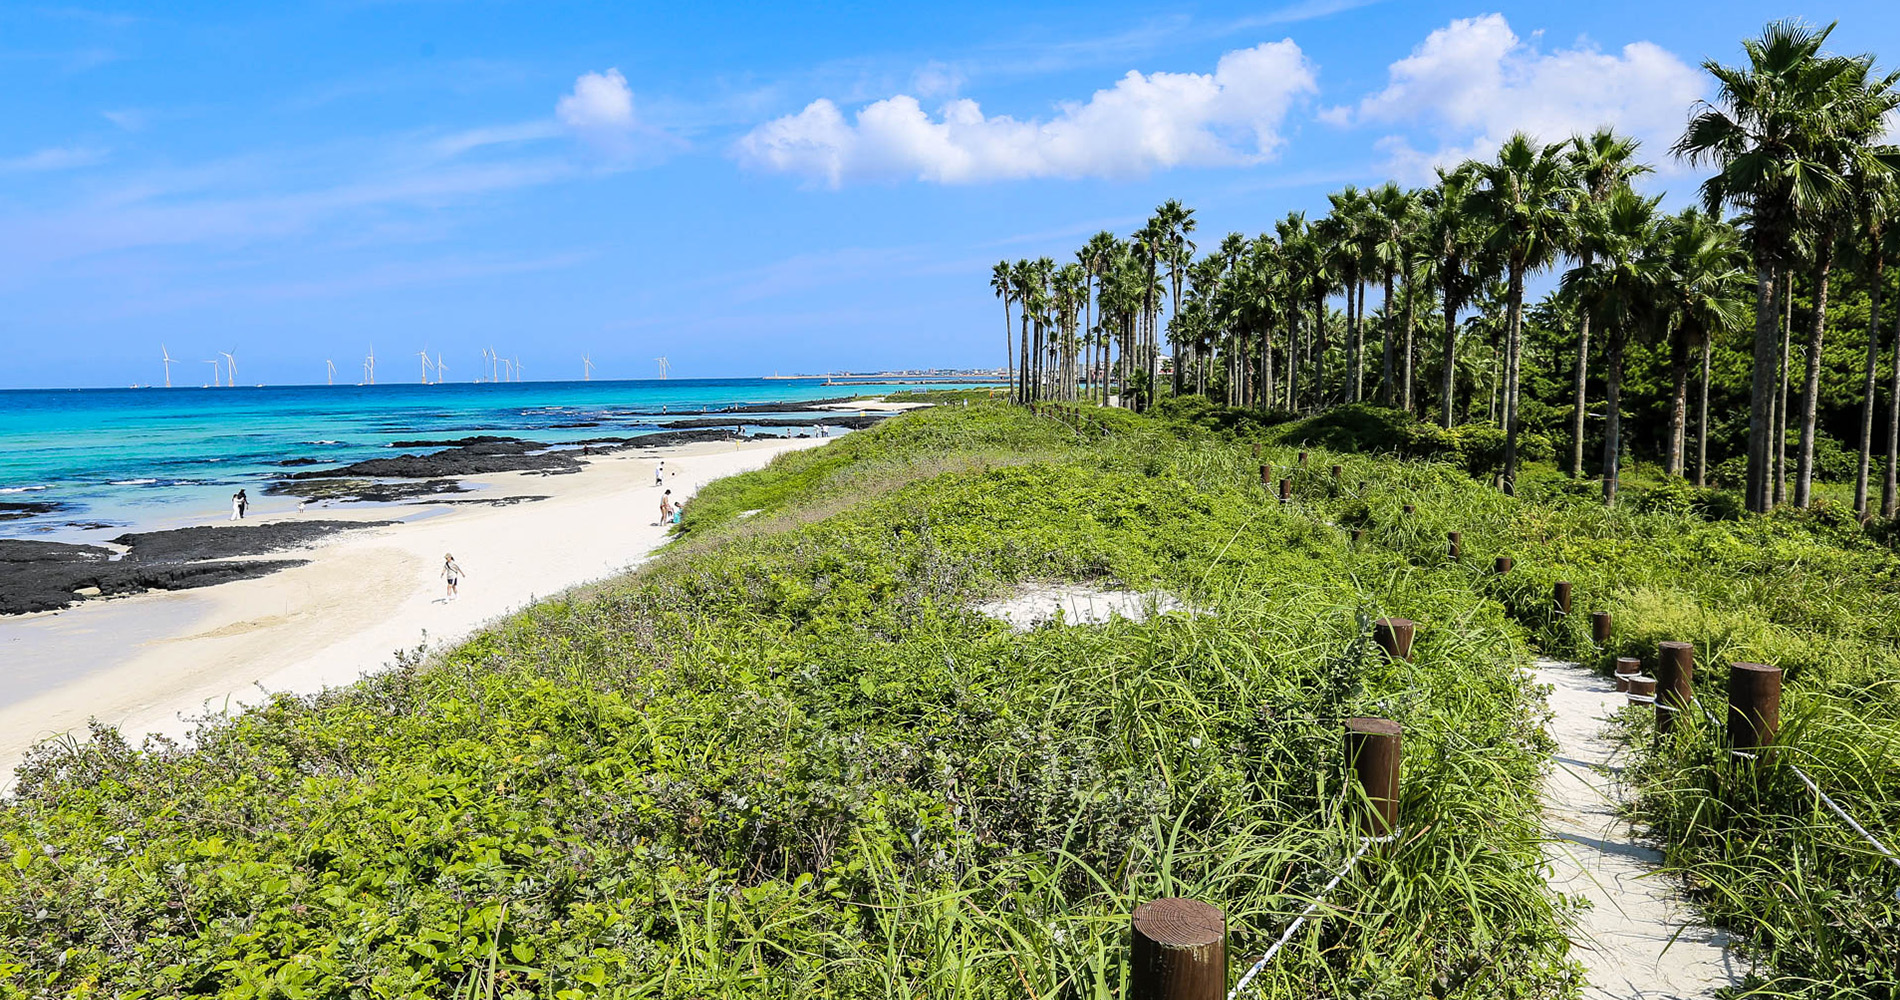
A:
[88, 464]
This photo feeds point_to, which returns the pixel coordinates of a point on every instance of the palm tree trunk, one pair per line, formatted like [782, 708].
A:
[1512, 341]
[1266, 366]
[1405, 368]
[1022, 386]
[1811, 387]
[1702, 419]
[1762, 386]
[1009, 334]
[1580, 391]
[1319, 350]
[1613, 413]
[1678, 401]
[1786, 363]
[1890, 477]
[1387, 340]
[1359, 348]
[1292, 360]
[1878, 267]
[1450, 377]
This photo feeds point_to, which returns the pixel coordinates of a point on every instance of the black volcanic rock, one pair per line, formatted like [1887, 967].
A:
[43, 576]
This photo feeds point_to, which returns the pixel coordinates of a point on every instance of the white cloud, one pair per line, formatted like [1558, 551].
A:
[58, 158]
[1230, 117]
[600, 109]
[1472, 83]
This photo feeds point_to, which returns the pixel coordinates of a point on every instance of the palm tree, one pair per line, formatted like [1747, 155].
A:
[1875, 204]
[1345, 232]
[1389, 216]
[1526, 200]
[1022, 277]
[1001, 284]
[1095, 257]
[1701, 296]
[1600, 162]
[1451, 242]
[1773, 134]
[1171, 224]
[1618, 284]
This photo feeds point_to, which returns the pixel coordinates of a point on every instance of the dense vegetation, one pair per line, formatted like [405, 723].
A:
[790, 759]
[1749, 349]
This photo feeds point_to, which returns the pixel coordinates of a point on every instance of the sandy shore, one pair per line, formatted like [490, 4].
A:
[147, 663]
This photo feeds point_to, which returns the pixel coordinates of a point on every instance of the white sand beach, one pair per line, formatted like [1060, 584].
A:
[149, 662]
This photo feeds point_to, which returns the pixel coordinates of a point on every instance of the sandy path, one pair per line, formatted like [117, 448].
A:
[363, 596]
[1637, 939]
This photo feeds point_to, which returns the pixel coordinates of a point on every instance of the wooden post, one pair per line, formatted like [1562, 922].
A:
[1302, 460]
[1256, 449]
[1560, 592]
[1394, 635]
[1456, 547]
[1373, 751]
[1266, 474]
[1358, 536]
[1337, 470]
[1754, 705]
[1641, 686]
[1504, 565]
[1626, 668]
[1179, 951]
[1675, 682]
[1286, 490]
[1600, 627]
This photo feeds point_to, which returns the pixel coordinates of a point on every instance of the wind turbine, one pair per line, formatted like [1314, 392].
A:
[517, 369]
[230, 364]
[331, 378]
[169, 362]
[439, 368]
[214, 372]
[480, 375]
[587, 368]
[662, 362]
[425, 365]
[369, 366]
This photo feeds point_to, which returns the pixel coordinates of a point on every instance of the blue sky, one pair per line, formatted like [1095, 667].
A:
[742, 189]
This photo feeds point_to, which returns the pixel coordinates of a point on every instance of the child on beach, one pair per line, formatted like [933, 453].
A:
[452, 572]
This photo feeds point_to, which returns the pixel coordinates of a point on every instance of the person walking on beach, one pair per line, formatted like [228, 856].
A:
[244, 504]
[659, 473]
[452, 572]
[237, 507]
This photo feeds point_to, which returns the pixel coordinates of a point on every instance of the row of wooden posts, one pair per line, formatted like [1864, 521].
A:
[1178, 946]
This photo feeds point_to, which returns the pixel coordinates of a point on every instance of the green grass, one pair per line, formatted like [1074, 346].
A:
[788, 759]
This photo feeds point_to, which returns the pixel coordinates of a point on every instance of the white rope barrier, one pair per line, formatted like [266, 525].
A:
[1365, 844]
[1849, 820]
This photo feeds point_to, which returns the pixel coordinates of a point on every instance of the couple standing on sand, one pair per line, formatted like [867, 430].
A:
[239, 503]
[669, 511]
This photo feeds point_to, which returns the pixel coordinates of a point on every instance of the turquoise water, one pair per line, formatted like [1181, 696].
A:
[118, 458]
